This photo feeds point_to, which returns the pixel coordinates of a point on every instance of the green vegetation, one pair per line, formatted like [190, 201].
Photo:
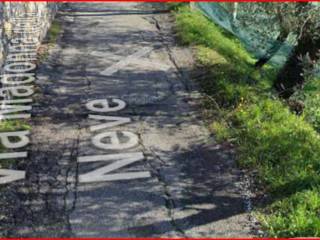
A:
[54, 32]
[51, 39]
[286, 149]
[243, 108]
[196, 29]
[176, 5]
[11, 126]
[309, 97]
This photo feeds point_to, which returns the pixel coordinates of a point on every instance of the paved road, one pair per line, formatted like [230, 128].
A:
[121, 51]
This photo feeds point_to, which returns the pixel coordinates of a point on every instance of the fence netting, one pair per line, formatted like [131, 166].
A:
[259, 26]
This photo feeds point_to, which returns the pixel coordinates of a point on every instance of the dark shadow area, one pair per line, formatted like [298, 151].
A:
[205, 194]
[202, 167]
[40, 206]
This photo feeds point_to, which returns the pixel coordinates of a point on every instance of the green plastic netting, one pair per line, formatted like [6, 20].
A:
[256, 27]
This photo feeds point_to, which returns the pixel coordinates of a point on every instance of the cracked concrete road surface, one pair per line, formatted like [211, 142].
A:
[124, 51]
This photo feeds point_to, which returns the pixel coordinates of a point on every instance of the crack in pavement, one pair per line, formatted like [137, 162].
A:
[169, 201]
[181, 74]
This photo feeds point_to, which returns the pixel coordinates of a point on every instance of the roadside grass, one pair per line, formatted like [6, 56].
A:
[14, 125]
[243, 109]
[54, 32]
[11, 126]
[194, 28]
[50, 40]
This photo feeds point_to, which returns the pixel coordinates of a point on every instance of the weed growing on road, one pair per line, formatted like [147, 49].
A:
[54, 32]
[284, 148]
[11, 126]
[51, 39]
[14, 125]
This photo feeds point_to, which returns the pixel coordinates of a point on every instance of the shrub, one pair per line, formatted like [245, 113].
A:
[309, 96]
[312, 110]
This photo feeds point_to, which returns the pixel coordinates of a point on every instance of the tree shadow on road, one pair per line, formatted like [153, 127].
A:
[199, 187]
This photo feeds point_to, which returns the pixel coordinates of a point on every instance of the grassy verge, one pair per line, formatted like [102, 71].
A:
[51, 39]
[282, 147]
[54, 32]
[11, 126]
